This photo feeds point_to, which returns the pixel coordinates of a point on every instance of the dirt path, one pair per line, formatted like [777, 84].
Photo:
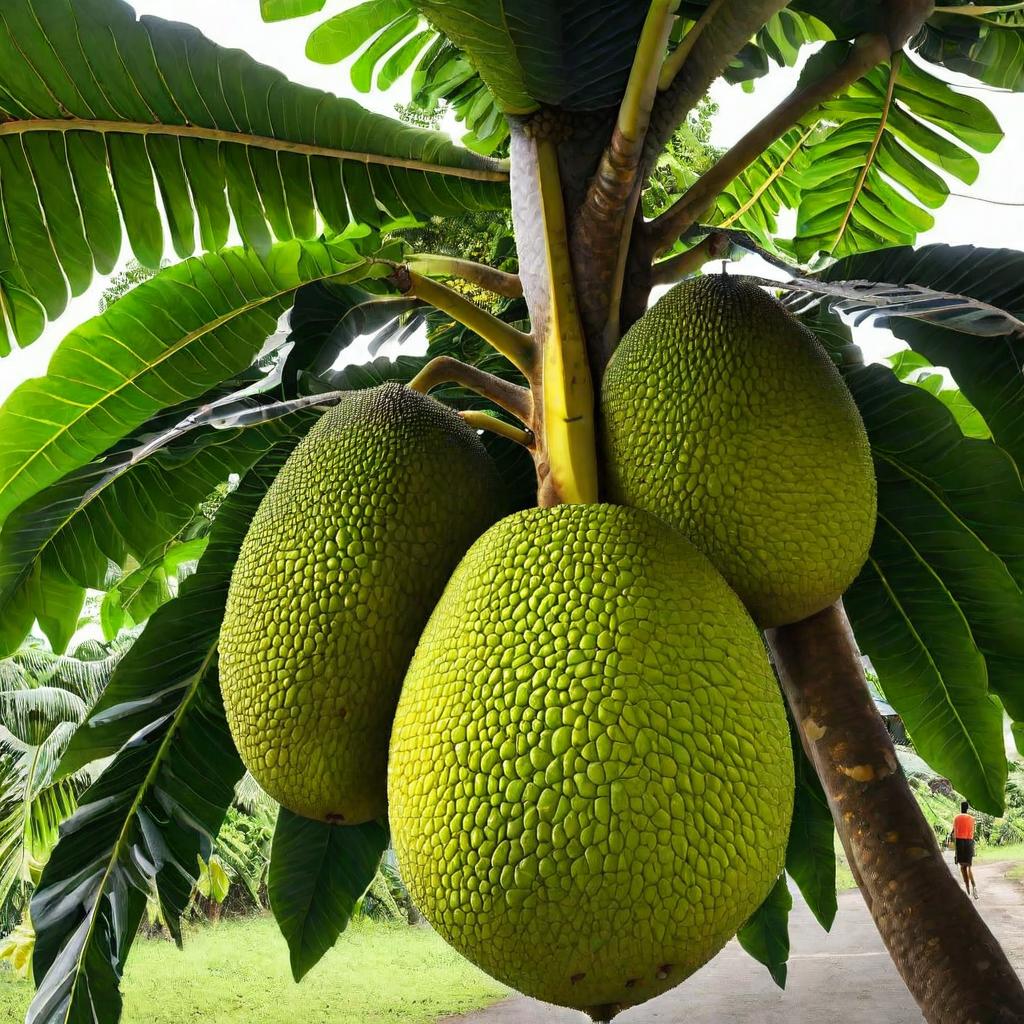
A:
[848, 964]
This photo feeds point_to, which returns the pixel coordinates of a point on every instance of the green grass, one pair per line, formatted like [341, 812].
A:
[1014, 851]
[237, 973]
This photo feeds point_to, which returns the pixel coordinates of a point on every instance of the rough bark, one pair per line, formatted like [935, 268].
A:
[950, 961]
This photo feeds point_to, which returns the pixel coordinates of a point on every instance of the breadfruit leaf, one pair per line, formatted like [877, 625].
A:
[987, 370]
[938, 605]
[154, 811]
[190, 326]
[811, 854]
[766, 935]
[318, 874]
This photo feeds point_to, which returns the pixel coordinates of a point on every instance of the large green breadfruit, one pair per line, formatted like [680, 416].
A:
[591, 783]
[343, 562]
[724, 416]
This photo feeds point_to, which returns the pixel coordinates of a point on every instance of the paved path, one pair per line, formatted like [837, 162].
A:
[848, 964]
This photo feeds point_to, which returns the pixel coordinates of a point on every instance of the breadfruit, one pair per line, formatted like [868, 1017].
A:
[724, 416]
[591, 784]
[346, 556]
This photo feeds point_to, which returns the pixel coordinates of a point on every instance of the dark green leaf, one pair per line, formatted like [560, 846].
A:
[810, 854]
[155, 810]
[575, 54]
[988, 47]
[987, 370]
[318, 874]
[940, 597]
[766, 935]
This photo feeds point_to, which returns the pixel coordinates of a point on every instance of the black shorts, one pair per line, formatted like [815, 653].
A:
[964, 852]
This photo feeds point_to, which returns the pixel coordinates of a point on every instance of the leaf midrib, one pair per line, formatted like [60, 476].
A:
[923, 646]
[493, 170]
[151, 774]
[180, 345]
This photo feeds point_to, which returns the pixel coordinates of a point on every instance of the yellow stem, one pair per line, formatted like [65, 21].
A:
[515, 346]
[480, 420]
[635, 109]
[677, 58]
[571, 443]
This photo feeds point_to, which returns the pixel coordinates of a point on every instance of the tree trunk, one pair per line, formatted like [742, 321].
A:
[946, 954]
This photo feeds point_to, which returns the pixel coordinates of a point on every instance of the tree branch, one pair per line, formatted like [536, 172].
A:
[445, 369]
[675, 269]
[517, 347]
[479, 420]
[677, 57]
[920, 911]
[489, 278]
[724, 34]
[614, 190]
[867, 52]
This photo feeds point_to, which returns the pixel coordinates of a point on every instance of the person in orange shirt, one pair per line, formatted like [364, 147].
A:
[963, 836]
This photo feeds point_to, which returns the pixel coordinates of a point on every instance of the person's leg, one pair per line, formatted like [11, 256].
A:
[965, 871]
[970, 875]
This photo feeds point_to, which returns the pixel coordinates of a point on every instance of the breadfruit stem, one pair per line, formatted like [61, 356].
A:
[489, 278]
[613, 192]
[675, 269]
[661, 233]
[445, 370]
[480, 420]
[514, 345]
[921, 912]
[570, 439]
[638, 99]
[723, 35]
[676, 59]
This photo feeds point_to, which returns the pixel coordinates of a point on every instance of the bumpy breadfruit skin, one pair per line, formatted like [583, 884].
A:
[343, 562]
[590, 783]
[723, 415]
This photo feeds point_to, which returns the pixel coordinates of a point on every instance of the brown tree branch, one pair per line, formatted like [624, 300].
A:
[488, 278]
[950, 961]
[445, 369]
[732, 26]
[662, 232]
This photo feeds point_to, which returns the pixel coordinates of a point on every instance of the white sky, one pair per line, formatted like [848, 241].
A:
[237, 23]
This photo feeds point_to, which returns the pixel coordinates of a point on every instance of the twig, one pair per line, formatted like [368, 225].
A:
[514, 345]
[868, 51]
[479, 420]
[445, 369]
[607, 212]
[489, 278]
[723, 36]
[677, 57]
[675, 269]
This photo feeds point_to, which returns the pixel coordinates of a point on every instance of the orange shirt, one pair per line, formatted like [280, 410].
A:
[963, 827]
